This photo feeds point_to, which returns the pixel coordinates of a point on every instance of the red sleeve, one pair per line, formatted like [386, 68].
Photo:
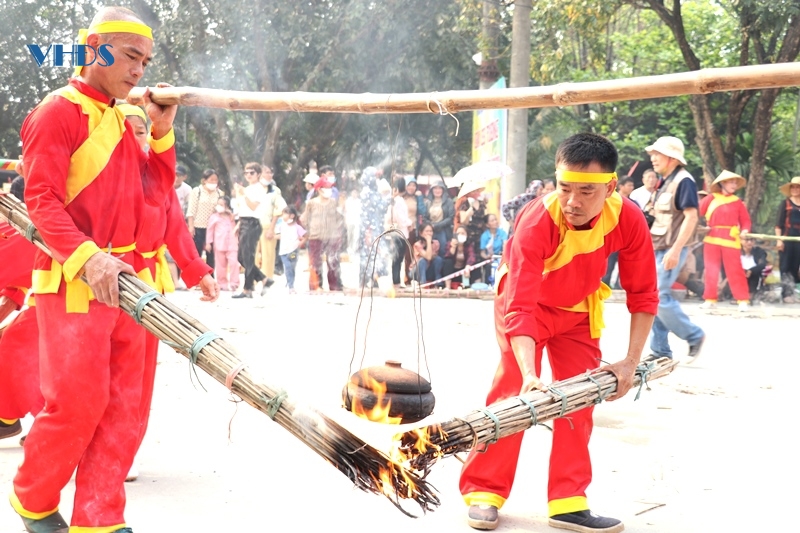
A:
[14, 294]
[50, 134]
[181, 245]
[637, 264]
[17, 259]
[534, 239]
[705, 203]
[744, 217]
[158, 174]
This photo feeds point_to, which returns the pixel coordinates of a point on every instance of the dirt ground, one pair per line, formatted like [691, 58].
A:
[709, 448]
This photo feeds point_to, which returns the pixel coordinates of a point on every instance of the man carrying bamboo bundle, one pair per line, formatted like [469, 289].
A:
[549, 294]
[87, 181]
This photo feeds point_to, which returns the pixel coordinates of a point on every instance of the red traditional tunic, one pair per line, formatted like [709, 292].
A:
[86, 185]
[549, 288]
[727, 217]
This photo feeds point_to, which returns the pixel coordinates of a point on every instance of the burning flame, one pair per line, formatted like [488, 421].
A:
[380, 411]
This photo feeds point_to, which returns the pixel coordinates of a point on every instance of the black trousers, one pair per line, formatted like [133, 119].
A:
[249, 233]
[200, 244]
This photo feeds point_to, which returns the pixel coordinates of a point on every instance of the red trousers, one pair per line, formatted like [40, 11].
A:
[714, 256]
[92, 378]
[487, 476]
[20, 393]
[331, 249]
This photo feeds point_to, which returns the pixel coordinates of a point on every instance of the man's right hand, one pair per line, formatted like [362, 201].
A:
[779, 246]
[524, 349]
[102, 274]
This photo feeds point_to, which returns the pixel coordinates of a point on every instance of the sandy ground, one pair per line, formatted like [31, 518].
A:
[709, 448]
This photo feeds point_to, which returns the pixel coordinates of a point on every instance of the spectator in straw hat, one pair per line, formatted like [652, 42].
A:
[788, 224]
[675, 207]
[727, 219]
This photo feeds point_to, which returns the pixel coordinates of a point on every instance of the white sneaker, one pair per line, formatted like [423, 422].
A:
[744, 307]
[133, 474]
[708, 304]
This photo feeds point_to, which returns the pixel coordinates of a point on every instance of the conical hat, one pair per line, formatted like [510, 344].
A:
[727, 175]
[785, 187]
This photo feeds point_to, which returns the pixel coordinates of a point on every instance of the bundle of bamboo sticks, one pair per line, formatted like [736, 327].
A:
[422, 447]
[368, 468]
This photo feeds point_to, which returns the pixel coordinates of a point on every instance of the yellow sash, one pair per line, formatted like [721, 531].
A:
[106, 128]
[574, 243]
[78, 292]
[719, 200]
[163, 280]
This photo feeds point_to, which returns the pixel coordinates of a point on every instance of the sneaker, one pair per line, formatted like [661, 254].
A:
[242, 295]
[10, 430]
[22, 440]
[744, 307]
[694, 350]
[53, 523]
[586, 522]
[709, 304]
[482, 517]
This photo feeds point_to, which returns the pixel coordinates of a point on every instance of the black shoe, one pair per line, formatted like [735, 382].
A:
[22, 440]
[269, 282]
[586, 522]
[694, 350]
[9, 430]
[124, 530]
[482, 517]
[242, 295]
[50, 524]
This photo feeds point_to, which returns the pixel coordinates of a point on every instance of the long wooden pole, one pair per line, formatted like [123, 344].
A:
[448, 102]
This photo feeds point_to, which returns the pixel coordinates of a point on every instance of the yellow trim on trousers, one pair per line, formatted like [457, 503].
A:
[15, 503]
[567, 505]
[484, 498]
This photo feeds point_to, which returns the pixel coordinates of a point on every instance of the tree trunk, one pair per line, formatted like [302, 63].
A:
[701, 140]
[488, 69]
[762, 131]
[517, 157]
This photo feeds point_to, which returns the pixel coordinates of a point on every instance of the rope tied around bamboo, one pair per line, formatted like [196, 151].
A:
[421, 448]
[368, 468]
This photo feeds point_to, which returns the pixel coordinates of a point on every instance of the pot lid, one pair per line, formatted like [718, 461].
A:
[397, 379]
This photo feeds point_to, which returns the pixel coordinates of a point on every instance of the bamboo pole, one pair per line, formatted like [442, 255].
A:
[368, 468]
[767, 237]
[564, 94]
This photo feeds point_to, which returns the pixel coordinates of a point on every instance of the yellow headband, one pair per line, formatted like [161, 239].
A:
[114, 26]
[132, 111]
[570, 176]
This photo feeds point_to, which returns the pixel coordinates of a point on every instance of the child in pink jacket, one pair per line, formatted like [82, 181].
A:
[221, 238]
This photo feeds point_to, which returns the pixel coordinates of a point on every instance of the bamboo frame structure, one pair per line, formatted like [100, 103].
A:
[702, 81]
[421, 448]
[367, 467]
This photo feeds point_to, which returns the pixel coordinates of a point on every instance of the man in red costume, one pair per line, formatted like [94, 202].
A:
[163, 227]
[17, 398]
[549, 295]
[87, 183]
[727, 219]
